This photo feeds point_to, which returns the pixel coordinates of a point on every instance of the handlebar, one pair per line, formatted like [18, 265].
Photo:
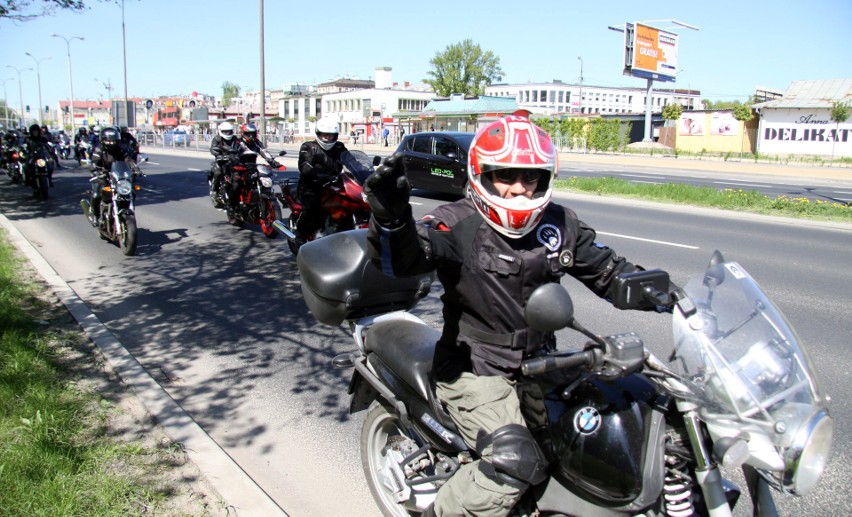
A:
[549, 363]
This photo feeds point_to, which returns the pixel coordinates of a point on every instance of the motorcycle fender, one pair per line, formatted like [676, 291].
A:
[362, 393]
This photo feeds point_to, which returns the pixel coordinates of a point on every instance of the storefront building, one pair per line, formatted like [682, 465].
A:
[800, 122]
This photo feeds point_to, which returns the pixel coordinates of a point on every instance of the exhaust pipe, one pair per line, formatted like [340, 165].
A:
[283, 229]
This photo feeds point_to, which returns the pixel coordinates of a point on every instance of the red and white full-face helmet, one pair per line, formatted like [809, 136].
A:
[513, 142]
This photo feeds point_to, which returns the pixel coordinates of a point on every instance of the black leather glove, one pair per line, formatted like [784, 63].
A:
[388, 191]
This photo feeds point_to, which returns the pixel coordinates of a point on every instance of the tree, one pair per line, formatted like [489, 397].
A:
[672, 111]
[839, 113]
[463, 68]
[24, 10]
[229, 91]
[743, 114]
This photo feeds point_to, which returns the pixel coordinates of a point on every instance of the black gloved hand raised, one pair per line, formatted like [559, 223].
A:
[388, 191]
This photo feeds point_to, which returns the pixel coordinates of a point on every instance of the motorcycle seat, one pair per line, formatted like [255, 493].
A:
[407, 349]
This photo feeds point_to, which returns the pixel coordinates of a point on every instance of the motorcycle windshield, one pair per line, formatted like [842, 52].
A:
[358, 164]
[121, 171]
[739, 356]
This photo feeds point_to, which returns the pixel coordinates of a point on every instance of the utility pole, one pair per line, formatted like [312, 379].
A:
[70, 77]
[20, 94]
[262, 82]
[38, 74]
[124, 48]
[581, 83]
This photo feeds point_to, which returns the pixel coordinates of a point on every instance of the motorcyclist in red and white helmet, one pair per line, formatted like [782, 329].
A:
[319, 162]
[248, 136]
[490, 251]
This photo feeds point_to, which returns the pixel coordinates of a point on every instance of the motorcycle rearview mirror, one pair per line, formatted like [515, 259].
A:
[377, 160]
[549, 308]
[282, 153]
[714, 276]
[641, 289]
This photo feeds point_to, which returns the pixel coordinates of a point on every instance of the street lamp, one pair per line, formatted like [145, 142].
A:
[6, 102]
[20, 94]
[581, 83]
[70, 78]
[38, 74]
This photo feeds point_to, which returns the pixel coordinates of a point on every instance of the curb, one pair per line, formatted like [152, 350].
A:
[231, 483]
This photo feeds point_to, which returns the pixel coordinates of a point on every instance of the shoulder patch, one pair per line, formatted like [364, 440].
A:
[550, 236]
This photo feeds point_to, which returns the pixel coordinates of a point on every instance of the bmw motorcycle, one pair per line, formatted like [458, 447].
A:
[257, 203]
[117, 220]
[625, 433]
[342, 199]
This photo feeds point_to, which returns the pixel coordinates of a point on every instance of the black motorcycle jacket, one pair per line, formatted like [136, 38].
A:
[487, 279]
[324, 165]
[36, 147]
[257, 146]
[224, 150]
[103, 158]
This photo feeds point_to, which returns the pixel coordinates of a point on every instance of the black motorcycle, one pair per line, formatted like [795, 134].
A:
[117, 220]
[37, 171]
[624, 432]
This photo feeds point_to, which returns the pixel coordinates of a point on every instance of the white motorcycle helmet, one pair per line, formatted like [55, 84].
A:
[226, 130]
[327, 132]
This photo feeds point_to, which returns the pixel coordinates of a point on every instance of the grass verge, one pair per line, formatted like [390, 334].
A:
[66, 447]
[727, 199]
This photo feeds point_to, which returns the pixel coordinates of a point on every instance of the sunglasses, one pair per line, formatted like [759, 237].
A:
[510, 176]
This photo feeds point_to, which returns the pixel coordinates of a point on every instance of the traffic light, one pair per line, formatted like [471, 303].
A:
[149, 104]
[28, 108]
[47, 109]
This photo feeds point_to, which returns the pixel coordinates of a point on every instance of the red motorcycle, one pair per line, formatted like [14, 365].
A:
[257, 204]
[342, 199]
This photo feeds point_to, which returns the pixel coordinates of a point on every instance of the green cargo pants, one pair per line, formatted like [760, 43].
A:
[478, 402]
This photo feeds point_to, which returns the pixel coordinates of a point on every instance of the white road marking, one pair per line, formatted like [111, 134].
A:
[743, 184]
[644, 175]
[839, 192]
[196, 170]
[415, 203]
[651, 182]
[687, 246]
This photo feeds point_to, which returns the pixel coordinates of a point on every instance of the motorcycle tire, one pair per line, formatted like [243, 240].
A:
[381, 427]
[41, 188]
[127, 235]
[273, 212]
[215, 198]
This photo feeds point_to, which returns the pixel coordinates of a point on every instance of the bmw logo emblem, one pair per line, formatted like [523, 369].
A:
[587, 420]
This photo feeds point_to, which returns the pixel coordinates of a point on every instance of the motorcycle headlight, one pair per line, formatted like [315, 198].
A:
[806, 458]
[124, 187]
[266, 182]
[41, 162]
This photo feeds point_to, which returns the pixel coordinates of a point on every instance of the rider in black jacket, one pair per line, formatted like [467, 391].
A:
[490, 251]
[109, 150]
[319, 162]
[36, 147]
[226, 149]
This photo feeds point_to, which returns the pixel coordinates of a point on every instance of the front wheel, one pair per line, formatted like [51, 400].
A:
[41, 188]
[127, 235]
[273, 212]
[381, 435]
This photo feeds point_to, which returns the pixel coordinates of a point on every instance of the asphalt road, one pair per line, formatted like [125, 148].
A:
[215, 315]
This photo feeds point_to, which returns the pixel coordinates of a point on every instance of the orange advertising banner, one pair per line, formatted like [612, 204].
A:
[655, 51]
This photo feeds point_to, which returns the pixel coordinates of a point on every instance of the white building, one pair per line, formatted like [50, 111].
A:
[799, 123]
[354, 106]
[561, 98]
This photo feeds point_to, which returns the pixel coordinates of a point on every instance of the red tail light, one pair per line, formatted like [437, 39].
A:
[14, 155]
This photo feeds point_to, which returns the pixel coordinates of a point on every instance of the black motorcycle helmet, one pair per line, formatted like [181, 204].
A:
[35, 131]
[110, 137]
[248, 132]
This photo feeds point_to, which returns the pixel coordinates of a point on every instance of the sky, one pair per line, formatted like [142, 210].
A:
[175, 47]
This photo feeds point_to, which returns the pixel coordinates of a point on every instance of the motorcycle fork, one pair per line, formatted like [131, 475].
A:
[706, 471]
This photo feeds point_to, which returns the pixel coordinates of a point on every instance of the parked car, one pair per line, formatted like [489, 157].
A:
[176, 137]
[145, 137]
[437, 160]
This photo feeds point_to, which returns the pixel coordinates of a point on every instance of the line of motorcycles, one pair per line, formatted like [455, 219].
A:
[33, 171]
[342, 198]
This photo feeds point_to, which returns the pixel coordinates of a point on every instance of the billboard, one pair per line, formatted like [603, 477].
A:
[650, 53]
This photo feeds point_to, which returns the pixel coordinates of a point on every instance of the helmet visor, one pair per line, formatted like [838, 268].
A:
[328, 138]
[535, 178]
[227, 132]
